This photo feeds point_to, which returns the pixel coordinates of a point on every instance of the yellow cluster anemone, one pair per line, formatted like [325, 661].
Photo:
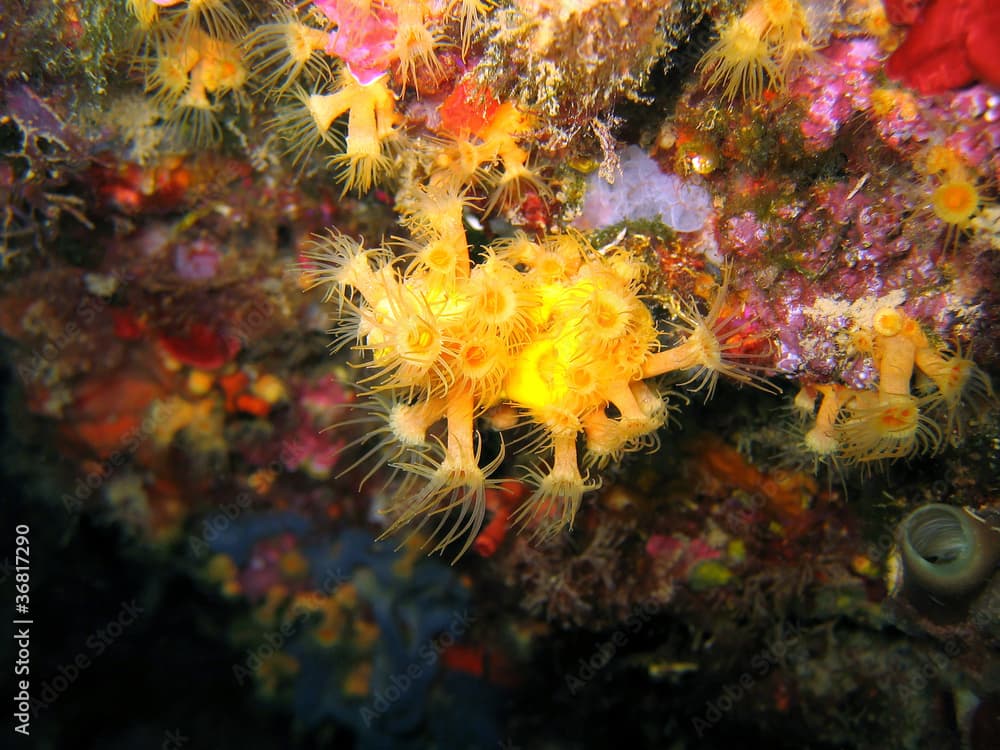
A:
[758, 48]
[284, 50]
[924, 396]
[192, 62]
[956, 199]
[486, 154]
[549, 328]
[416, 42]
[334, 75]
[310, 119]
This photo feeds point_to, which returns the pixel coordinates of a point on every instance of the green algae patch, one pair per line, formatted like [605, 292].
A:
[709, 574]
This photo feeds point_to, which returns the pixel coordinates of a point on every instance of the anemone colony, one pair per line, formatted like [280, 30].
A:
[545, 327]
[537, 234]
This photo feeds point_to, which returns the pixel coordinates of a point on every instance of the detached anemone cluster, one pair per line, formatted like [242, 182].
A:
[925, 394]
[551, 331]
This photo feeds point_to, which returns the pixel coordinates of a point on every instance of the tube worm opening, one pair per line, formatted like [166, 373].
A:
[947, 551]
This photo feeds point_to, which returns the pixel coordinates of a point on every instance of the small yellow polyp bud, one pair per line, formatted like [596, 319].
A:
[200, 382]
[269, 388]
[955, 202]
[888, 321]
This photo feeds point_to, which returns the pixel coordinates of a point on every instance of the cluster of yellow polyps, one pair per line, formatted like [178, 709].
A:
[758, 48]
[192, 61]
[894, 422]
[294, 55]
[551, 328]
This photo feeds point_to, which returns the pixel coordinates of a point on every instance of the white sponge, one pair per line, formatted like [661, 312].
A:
[642, 191]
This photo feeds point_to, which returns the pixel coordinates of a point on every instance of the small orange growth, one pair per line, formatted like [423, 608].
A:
[262, 480]
[357, 684]
[294, 565]
[107, 411]
[499, 501]
[233, 385]
[787, 493]
[468, 109]
[250, 404]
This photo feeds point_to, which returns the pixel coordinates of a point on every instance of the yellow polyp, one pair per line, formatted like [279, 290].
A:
[899, 419]
[362, 135]
[956, 202]
[302, 41]
[414, 47]
[146, 12]
[282, 51]
[759, 48]
[218, 17]
[895, 356]
[200, 382]
[532, 381]
[691, 353]
[409, 422]
[269, 388]
[439, 257]
[943, 160]
[357, 683]
[805, 400]
[888, 321]
[890, 427]
[740, 62]
[497, 304]
[560, 488]
[326, 108]
[484, 363]
[822, 438]
[371, 122]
